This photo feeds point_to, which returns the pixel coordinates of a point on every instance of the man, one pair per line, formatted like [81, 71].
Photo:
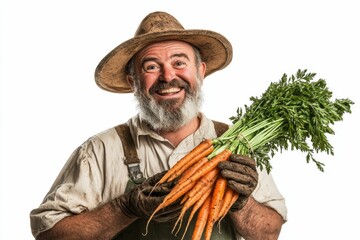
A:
[101, 192]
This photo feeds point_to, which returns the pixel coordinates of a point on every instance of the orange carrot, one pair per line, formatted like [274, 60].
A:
[201, 185]
[168, 200]
[191, 162]
[179, 190]
[197, 191]
[226, 201]
[173, 196]
[225, 204]
[196, 206]
[202, 146]
[183, 187]
[234, 197]
[206, 180]
[207, 167]
[217, 196]
[185, 198]
[192, 169]
[201, 219]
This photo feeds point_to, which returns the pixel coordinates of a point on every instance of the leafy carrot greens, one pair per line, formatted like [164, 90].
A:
[294, 113]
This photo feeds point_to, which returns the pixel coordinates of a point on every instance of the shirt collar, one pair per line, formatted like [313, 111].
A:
[140, 128]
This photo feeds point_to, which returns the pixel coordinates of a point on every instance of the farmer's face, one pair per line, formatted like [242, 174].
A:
[168, 80]
[167, 71]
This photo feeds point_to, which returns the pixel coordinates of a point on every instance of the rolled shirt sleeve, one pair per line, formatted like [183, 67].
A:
[85, 182]
[267, 193]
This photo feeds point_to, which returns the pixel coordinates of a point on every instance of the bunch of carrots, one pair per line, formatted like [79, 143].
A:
[201, 187]
[289, 114]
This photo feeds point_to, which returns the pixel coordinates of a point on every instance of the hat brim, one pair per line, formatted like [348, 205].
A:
[110, 74]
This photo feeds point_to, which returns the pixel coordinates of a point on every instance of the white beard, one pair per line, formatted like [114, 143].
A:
[162, 117]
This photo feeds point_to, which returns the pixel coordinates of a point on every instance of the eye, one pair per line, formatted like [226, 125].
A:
[151, 67]
[180, 64]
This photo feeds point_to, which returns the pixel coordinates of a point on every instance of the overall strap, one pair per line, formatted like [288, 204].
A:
[131, 158]
[220, 127]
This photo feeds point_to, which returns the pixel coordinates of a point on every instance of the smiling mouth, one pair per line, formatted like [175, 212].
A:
[168, 91]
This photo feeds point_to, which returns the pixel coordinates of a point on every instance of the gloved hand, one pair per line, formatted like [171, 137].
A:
[138, 202]
[240, 171]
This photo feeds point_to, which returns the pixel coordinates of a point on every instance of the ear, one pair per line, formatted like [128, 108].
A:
[202, 69]
[130, 80]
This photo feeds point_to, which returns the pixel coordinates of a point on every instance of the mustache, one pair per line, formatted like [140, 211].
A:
[160, 85]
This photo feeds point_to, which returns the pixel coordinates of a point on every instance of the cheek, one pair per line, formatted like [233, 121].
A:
[147, 81]
[190, 77]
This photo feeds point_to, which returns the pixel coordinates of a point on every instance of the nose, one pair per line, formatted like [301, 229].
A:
[167, 73]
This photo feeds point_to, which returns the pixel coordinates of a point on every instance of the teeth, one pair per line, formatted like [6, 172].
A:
[169, 90]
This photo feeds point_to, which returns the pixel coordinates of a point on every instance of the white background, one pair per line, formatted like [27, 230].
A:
[50, 103]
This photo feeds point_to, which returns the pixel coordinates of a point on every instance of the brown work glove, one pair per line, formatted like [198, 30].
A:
[139, 203]
[240, 171]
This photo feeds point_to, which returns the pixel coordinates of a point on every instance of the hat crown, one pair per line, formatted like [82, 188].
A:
[158, 22]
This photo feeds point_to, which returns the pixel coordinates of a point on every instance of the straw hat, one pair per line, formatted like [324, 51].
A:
[215, 49]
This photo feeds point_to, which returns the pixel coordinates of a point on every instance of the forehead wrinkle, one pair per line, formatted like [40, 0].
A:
[175, 55]
[180, 55]
[148, 59]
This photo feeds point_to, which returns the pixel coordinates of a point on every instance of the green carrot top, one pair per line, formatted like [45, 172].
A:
[294, 113]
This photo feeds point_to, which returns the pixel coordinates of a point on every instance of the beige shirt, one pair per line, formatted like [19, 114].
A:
[95, 173]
